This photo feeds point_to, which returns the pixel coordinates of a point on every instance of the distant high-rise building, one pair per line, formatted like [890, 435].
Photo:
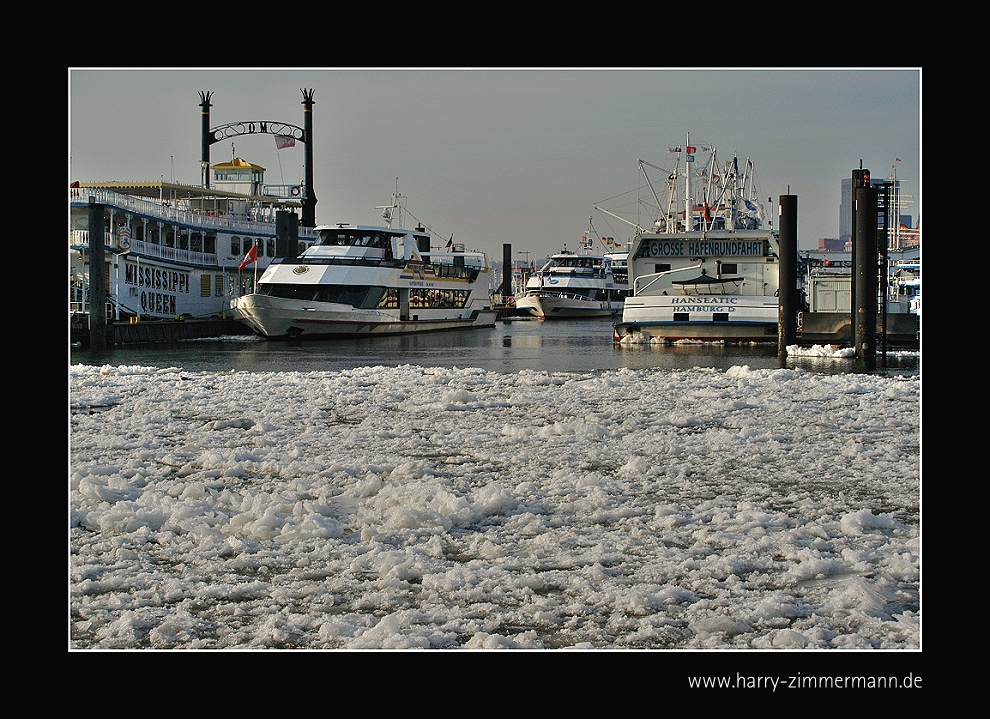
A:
[845, 207]
[846, 211]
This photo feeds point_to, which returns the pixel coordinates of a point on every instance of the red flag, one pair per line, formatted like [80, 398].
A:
[691, 149]
[251, 256]
[284, 141]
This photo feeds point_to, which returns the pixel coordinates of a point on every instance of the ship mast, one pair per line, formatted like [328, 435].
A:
[688, 223]
[396, 205]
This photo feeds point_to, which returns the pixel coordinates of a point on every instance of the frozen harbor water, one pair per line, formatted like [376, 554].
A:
[399, 507]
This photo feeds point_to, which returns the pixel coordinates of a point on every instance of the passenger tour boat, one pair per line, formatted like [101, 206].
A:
[365, 280]
[577, 285]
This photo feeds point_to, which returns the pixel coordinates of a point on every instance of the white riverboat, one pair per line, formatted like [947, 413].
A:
[174, 251]
[576, 285]
[367, 280]
[180, 251]
[708, 269]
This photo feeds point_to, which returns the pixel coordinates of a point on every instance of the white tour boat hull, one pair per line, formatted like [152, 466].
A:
[353, 282]
[280, 318]
[554, 307]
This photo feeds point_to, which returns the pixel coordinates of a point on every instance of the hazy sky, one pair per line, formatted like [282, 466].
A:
[517, 156]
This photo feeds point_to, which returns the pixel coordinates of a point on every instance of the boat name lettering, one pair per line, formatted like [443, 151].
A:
[703, 248]
[420, 283]
[703, 300]
[159, 288]
[705, 308]
[154, 278]
[158, 303]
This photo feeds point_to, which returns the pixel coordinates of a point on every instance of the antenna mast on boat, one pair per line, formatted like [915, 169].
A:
[387, 209]
[688, 159]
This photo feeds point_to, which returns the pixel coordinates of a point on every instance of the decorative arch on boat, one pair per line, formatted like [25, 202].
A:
[289, 134]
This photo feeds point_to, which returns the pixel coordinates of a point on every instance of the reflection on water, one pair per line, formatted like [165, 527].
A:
[524, 344]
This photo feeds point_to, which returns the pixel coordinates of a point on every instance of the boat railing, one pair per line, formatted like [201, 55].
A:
[175, 254]
[655, 277]
[473, 260]
[80, 238]
[165, 210]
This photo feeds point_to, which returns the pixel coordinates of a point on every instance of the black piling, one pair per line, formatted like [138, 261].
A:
[788, 285]
[205, 137]
[97, 276]
[506, 270]
[864, 277]
[286, 233]
[860, 178]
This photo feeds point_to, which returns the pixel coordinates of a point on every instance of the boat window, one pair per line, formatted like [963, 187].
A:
[332, 237]
[438, 299]
[270, 247]
[235, 246]
[388, 298]
[353, 296]
[289, 292]
[357, 238]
